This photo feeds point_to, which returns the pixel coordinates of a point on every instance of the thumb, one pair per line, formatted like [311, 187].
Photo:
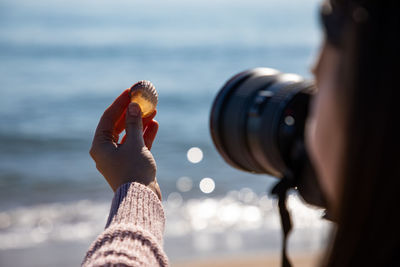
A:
[134, 126]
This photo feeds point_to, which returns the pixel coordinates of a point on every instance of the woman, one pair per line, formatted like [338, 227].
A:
[352, 138]
[352, 133]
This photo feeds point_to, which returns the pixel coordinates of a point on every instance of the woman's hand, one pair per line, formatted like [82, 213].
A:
[130, 160]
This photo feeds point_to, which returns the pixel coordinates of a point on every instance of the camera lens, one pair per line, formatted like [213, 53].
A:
[257, 119]
[257, 124]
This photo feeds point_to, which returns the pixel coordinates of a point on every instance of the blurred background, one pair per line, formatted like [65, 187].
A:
[63, 62]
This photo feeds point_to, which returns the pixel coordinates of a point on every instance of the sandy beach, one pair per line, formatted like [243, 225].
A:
[254, 260]
[55, 255]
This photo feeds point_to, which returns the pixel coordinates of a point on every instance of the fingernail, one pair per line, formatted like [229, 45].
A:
[133, 110]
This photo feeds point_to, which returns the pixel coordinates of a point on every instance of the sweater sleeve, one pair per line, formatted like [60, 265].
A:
[133, 235]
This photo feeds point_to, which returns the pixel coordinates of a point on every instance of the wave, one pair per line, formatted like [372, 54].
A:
[202, 222]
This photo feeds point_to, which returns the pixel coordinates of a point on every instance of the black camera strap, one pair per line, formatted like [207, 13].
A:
[280, 190]
[294, 177]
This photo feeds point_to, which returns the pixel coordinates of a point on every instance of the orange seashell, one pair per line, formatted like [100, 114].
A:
[144, 93]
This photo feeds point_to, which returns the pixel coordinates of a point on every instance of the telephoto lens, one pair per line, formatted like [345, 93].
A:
[257, 124]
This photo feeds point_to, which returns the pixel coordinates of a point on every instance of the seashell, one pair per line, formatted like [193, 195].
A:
[144, 93]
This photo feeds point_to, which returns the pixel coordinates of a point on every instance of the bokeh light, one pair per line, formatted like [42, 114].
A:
[184, 184]
[207, 185]
[247, 195]
[195, 155]
[174, 200]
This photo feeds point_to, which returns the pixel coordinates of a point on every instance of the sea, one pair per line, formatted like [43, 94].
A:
[63, 62]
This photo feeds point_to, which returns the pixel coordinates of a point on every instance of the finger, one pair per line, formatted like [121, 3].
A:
[134, 126]
[105, 128]
[150, 133]
[120, 125]
[149, 118]
[145, 135]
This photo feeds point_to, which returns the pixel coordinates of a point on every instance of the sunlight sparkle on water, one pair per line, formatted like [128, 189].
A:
[184, 184]
[174, 200]
[195, 155]
[207, 185]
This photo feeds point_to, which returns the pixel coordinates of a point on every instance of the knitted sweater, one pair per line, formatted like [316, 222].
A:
[133, 235]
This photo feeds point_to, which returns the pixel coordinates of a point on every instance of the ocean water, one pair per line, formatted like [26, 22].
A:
[63, 62]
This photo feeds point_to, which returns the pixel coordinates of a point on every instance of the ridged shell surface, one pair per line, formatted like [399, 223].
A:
[144, 93]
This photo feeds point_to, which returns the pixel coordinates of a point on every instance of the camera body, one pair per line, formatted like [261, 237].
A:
[257, 124]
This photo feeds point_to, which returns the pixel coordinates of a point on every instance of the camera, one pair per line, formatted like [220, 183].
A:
[257, 124]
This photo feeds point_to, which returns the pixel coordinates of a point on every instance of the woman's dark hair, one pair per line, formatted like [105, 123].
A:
[367, 34]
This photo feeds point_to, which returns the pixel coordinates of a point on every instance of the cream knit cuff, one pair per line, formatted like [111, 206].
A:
[136, 204]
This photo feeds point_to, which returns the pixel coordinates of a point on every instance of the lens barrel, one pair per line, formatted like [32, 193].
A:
[256, 118]
[257, 124]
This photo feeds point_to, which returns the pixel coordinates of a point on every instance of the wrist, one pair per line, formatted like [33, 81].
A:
[117, 181]
[155, 188]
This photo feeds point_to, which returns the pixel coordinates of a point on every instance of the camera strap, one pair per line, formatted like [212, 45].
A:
[280, 190]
